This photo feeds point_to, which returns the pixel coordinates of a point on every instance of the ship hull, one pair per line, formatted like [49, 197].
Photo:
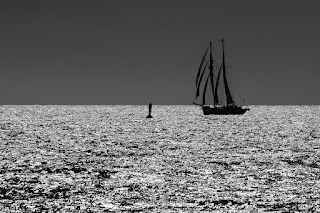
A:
[234, 110]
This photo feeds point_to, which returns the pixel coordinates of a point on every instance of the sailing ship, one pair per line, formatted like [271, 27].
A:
[214, 92]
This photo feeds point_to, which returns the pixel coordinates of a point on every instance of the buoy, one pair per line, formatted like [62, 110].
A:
[150, 107]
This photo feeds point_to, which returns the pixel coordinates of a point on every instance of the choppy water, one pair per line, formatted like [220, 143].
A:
[95, 158]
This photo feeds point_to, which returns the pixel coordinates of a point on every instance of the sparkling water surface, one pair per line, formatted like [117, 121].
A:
[111, 158]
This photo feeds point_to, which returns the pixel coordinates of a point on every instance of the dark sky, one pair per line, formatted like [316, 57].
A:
[134, 52]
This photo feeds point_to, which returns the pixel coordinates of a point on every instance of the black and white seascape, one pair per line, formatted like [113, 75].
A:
[111, 158]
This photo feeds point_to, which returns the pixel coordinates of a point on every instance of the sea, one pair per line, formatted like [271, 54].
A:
[56, 158]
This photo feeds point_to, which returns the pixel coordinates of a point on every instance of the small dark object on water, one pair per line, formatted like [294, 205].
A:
[150, 107]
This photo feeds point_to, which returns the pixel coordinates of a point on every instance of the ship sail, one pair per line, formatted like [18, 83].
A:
[200, 67]
[216, 98]
[213, 91]
[228, 94]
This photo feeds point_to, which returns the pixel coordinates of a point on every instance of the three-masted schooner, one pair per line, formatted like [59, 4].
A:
[213, 90]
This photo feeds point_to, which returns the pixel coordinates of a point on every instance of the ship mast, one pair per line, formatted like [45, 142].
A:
[211, 72]
[226, 87]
